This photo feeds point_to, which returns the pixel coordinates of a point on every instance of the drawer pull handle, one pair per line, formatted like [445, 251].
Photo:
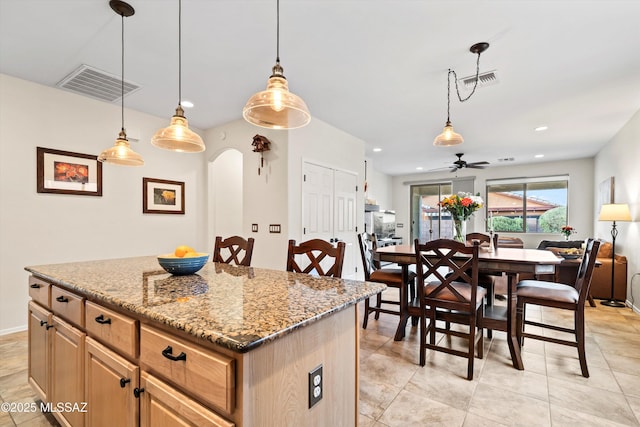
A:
[35, 286]
[124, 381]
[43, 322]
[49, 327]
[100, 319]
[167, 353]
[62, 299]
[137, 391]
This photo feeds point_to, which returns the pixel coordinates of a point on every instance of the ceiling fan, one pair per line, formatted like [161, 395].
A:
[459, 164]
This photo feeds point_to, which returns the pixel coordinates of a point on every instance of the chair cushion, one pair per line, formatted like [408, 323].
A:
[391, 276]
[463, 289]
[548, 290]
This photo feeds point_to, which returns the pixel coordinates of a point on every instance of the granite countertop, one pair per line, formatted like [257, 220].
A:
[238, 308]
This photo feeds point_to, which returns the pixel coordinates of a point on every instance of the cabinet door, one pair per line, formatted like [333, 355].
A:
[163, 406]
[67, 370]
[39, 350]
[109, 385]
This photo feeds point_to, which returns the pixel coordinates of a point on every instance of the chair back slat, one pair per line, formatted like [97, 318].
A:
[368, 246]
[234, 249]
[313, 253]
[585, 271]
[433, 256]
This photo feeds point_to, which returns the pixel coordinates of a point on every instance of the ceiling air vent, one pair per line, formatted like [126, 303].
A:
[484, 79]
[97, 84]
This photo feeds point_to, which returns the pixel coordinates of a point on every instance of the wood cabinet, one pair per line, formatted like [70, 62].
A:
[67, 370]
[109, 384]
[40, 320]
[163, 406]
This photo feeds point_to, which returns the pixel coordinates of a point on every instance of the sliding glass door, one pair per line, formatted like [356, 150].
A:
[427, 223]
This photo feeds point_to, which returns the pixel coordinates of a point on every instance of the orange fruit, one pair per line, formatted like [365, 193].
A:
[191, 254]
[182, 250]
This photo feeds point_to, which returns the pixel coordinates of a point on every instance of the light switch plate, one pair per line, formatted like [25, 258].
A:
[274, 228]
[254, 228]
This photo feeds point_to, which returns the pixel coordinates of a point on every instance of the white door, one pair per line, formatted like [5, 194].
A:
[329, 209]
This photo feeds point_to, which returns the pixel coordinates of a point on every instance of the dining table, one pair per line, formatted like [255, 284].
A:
[511, 261]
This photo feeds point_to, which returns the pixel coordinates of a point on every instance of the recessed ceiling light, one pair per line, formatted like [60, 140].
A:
[419, 168]
[187, 104]
[377, 150]
[541, 128]
[539, 156]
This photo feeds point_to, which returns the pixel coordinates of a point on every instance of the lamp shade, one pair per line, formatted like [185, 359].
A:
[448, 137]
[177, 136]
[121, 153]
[276, 107]
[615, 212]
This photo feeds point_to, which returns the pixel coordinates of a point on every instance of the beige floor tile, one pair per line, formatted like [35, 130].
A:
[508, 407]
[440, 385]
[563, 417]
[582, 398]
[628, 365]
[524, 382]
[473, 420]
[383, 369]
[569, 369]
[629, 384]
[375, 397]
[634, 403]
[364, 421]
[409, 409]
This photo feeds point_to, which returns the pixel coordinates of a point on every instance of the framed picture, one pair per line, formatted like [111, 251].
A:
[605, 193]
[161, 196]
[64, 172]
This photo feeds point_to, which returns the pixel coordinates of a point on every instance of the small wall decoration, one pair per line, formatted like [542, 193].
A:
[605, 193]
[260, 144]
[64, 172]
[161, 196]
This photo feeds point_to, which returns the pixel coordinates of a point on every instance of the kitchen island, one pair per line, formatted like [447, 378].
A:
[225, 346]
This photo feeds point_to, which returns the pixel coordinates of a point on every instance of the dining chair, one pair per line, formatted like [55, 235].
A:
[313, 253]
[235, 249]
[392, 277]
[453, 297]
[559, 296]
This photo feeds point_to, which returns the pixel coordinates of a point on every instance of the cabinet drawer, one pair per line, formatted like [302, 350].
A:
[115, 330]
[67, 305]
[208, 375]
[40, 291]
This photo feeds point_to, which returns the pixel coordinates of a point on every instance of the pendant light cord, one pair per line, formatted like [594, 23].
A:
[180, 53]
[475, 85]
[278, 31]
[122, 74]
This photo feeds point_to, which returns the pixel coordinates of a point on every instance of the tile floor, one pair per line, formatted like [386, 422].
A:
[396, 391]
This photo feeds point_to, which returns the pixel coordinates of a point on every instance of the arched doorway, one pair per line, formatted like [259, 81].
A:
[225, 195]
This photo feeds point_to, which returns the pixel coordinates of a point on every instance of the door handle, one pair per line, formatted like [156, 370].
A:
[100, 319]
[62, 299]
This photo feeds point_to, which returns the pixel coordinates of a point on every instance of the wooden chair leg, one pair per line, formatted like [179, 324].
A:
[423, 339]
[579, 328]
[471, 354]
[520, 317]
[378, 304]
[366, 313]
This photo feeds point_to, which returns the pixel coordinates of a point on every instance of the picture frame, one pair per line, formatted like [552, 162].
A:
[605, 192]
[161, 196]
[65, 172]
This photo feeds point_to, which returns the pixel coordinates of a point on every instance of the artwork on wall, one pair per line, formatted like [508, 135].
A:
[605, 193]
[161, 196]
[64, 172]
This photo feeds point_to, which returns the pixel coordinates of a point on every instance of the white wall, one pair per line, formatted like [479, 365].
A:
[620, 159]
[225, 195]
[380, 185]
[581, 195]
[51, 228]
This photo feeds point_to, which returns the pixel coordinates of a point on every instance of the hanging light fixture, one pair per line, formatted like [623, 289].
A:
[121, 153]
[448, 137]
[177, 136]
[276, 107]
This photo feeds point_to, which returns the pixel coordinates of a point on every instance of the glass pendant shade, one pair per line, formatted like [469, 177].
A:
[121, 153]
[276, 107]
[177, 136]
[448, 137]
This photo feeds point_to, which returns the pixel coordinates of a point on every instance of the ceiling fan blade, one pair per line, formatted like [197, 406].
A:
[453, 169]
[478, 163]
[475, 166]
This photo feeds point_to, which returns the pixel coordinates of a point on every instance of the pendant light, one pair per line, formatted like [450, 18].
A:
[177, 136]
[448, 137]
[276, 107]
[121, 153]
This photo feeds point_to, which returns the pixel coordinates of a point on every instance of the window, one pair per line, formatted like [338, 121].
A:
[528, 205]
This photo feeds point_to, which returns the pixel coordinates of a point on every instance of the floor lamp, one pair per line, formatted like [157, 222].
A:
[614, 212]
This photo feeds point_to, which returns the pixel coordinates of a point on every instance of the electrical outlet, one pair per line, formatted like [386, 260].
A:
[315, 386]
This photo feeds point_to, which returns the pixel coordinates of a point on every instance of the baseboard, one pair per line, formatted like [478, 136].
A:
[13, 330]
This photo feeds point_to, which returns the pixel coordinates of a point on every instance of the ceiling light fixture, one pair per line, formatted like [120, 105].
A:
[177, 136]
[448, 137]
[377, 150]
[541, 128]
[121, 153]
[276, 107]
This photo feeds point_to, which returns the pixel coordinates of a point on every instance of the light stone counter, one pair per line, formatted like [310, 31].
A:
[239, 308]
